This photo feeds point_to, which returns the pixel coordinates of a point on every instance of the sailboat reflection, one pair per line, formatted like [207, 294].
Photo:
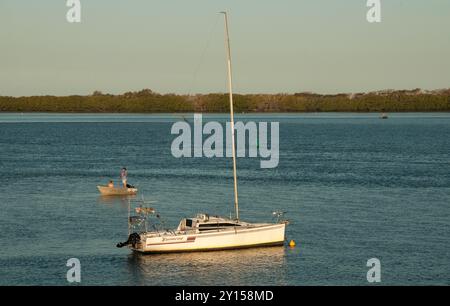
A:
[258, 266]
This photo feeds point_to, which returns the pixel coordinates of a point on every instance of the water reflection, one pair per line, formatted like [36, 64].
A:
[257, 266]
[114, 200]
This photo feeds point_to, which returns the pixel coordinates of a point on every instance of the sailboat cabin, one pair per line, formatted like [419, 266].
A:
[204, 223]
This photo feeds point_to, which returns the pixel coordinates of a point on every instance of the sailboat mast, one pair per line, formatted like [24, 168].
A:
[230, 93]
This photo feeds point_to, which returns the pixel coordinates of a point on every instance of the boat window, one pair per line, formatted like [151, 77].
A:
[218, 224]
[189, 222]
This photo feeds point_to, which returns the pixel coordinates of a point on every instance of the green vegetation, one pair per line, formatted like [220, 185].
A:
[147, 101]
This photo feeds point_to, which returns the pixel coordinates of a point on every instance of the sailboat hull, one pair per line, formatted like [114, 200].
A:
[235, 238]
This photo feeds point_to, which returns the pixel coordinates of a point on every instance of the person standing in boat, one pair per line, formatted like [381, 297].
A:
[123, 176]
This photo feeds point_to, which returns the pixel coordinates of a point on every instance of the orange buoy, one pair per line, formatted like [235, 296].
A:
[292, 243]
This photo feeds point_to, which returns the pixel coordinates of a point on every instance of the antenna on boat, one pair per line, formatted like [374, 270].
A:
[129, 215]
[230, 93]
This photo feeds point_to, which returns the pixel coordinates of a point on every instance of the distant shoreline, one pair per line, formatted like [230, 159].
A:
[147, 101]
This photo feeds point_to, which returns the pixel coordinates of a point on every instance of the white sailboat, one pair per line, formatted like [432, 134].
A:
[204, 232]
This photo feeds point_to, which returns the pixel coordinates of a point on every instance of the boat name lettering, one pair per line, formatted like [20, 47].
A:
[171, 239]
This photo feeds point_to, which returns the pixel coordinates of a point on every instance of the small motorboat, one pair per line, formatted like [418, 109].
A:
[112, 191]
[384, 116]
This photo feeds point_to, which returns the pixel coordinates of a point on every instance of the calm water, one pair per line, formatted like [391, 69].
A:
[354, 187]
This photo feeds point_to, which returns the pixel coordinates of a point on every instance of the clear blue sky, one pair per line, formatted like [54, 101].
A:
[324, 46]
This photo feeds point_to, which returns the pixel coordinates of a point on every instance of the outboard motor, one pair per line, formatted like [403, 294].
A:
[132, 239]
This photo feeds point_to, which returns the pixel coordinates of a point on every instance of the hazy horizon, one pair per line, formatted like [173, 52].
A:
[234, 92]
[176, 46]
